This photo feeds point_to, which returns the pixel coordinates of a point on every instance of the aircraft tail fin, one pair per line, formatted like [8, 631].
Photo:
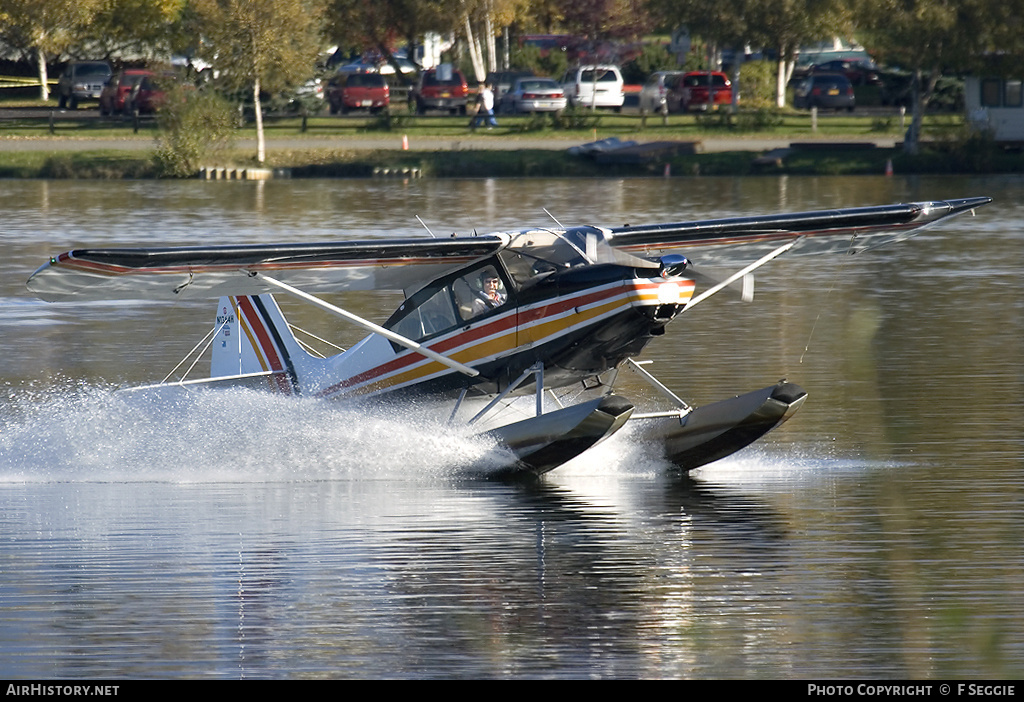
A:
[253, 337]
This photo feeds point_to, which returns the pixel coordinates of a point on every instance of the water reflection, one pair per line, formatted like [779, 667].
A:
[875, 535]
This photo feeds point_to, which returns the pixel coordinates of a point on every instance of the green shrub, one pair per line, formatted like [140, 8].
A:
[193, 125]
[553, 64]
[761, 119]
[576, 118]
[758, 81]
[537, 122]
[386, 121]
[652, 58]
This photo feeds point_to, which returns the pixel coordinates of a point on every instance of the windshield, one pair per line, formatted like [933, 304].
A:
[537, 253]
[432, 79]
[366, 80]
[92, 69]
[700, 80]
[603, 76]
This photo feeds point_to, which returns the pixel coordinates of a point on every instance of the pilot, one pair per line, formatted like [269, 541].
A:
[492, 296]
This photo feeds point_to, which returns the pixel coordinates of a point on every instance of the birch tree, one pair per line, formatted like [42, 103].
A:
[262, 45]
[481, 22]
[44, 28]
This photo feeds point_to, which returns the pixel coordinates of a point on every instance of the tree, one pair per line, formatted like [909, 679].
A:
[598, 20]
[44, 28]
[928, 37]
[781, 25]
[136, 26]
[261, 45]
[481, 20]
[377, 25]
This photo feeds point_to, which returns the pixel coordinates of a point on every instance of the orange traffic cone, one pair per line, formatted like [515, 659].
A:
[405, 142]
[888, 167]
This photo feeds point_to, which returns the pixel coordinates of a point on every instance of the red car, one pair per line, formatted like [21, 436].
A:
[149, 94]
[441, 90]
[119, 88]
[691, 92]
[358, 91]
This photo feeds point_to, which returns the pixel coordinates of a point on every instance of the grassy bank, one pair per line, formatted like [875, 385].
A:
[469, 163]
[42, 120]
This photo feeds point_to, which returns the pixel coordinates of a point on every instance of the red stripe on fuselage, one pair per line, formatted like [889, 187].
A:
[490, 328]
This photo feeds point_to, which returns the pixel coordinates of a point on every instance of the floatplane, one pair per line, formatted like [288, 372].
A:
[544, 317]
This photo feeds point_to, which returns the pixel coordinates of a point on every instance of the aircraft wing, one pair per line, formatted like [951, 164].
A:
[738, 240]
[212, 271]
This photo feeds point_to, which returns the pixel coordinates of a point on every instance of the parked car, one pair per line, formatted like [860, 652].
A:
[502, 81]
[439, 89]
[312, 89]
[534, 95]
[306, 98]
[597, 86]
[119, 88]
[857, 72]
[358, 91]
[377, 64]
[82, 80]
[691, 91]
[827, 90]
[149, 94]
[654, 94]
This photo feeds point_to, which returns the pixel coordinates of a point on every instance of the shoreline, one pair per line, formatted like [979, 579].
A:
[513, 155]
[519, 163]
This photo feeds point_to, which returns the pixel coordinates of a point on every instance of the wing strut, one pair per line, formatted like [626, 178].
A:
[739, 274]
[370, 326]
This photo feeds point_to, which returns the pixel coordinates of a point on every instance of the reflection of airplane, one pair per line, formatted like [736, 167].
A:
[548, 313]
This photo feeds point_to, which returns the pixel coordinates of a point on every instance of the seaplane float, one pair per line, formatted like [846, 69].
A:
[519, 334]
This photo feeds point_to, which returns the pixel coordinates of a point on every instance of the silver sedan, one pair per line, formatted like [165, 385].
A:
[533, 95]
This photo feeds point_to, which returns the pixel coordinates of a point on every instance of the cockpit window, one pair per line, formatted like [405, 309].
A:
[433, 315]
[461, 299]
[479, 292]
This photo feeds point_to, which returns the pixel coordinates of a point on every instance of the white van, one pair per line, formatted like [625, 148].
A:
[579, 84]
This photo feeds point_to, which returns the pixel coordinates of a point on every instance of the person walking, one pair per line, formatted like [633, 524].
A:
[484, 108]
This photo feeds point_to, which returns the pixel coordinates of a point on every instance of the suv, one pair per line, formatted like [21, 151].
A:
[597, 86]
[82, 80]
[692, 92]
[441, 90]
[353, 91]
[825, 90]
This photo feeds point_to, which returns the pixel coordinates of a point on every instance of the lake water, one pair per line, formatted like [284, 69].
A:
[876, 535]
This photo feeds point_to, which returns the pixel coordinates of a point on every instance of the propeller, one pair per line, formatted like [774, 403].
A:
[676, 264]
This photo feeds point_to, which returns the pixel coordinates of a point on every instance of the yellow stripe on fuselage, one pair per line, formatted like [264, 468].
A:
[537, 332]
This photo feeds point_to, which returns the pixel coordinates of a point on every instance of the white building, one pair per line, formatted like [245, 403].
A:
[996, 105]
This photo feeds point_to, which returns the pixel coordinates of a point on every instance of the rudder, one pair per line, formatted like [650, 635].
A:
[253, 337]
